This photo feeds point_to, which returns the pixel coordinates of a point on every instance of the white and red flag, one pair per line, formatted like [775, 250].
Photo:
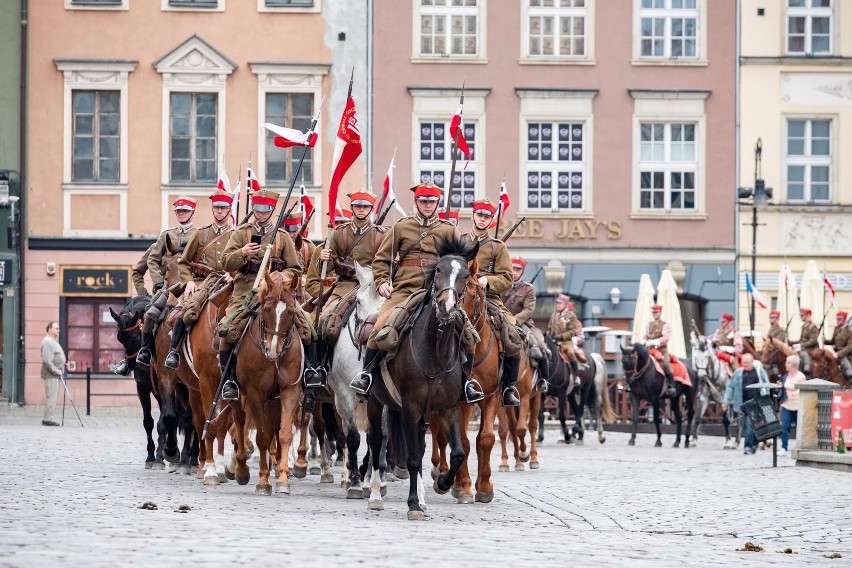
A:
[347, 148]
[388, 194]
[457, 133]
[289, 137]
[306, 206]
[831, 293]
[252, 183]
[224, 184]
[503, 204]
[235, 204]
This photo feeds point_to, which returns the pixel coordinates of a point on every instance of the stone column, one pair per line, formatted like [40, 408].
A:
[806, 421]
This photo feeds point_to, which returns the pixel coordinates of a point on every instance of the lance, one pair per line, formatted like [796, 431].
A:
[248, 186]
[454, 148]
[304, 226]
[500, 209]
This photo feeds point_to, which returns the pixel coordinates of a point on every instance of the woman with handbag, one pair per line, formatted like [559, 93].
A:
[790, 398]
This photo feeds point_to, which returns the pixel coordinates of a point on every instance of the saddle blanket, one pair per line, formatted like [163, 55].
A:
[681, 375]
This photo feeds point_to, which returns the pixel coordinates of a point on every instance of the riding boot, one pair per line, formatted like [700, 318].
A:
[575, 367]
[315, 375]
[122, 368]
[671, 391]
[471, 390]
[510, 378]
[144, 356]
[230, 390]
[362, 382]
[543, 372]
[178, 333]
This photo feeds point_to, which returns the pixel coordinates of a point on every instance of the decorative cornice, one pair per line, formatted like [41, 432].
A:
[546, 93]
[441, 92]
[83, 244]
[798, 61]
[669, 94]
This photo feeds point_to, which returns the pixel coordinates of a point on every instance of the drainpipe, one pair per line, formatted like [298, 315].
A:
[369, 156]
[737, 136]
[18, 389]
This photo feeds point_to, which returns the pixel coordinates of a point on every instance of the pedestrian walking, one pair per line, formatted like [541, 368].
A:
[790, 398]
[737, 393]
[52, 367]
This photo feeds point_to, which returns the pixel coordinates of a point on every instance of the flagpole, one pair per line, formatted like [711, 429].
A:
[500, 207]
[454, 148]
[248, 185]
[390, 182]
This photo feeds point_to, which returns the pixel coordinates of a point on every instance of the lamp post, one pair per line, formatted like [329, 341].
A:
[754, 196]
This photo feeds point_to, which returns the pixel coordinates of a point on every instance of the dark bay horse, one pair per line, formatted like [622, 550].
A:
[824, 365]
[646, 383]
[560, 384]
[425, 377]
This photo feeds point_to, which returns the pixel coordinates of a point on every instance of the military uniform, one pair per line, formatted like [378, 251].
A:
[160, 254]
[776, 332]
[520, 300]
[563, 327]
[810, 336]
[494, 263]
[138, 273]
[659, 331]
[841, 340]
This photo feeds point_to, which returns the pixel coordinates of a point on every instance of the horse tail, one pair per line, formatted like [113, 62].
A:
[362, 421]
[329, 416]
[607, 412]
[396, 438]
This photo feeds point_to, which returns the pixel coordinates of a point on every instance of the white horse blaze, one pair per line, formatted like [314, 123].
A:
[451, 293]
[280, 308]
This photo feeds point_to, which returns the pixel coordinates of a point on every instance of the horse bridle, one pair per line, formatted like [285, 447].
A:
[137, 325]
[636, 371]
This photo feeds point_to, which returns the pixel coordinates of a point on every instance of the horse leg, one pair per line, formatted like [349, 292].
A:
[690, 415]
[237, 468]
[635, 419]
[563, 418]
[454, 437]
[484, 445]
[439, 448]
[658, 419]
[289, 414]
[374, 439]
[168, 414]
[300, 468]
[512, 422]
[523, 412]
[324, 451]
[147, 422]
[540, 437]
[677, 417]
[577, 410]
[461, 485]
[503, 432]
[190, 443]
[414, 433]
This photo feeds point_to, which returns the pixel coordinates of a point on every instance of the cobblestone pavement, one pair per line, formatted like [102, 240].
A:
[70, 497]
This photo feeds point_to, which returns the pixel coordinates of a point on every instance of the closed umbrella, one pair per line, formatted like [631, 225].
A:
[667, 296]
[644, 301]
[788, 302]
[812, 292]
[830, 312]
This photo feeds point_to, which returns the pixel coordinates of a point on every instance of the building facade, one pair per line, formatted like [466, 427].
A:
[612, 123]
[796, 98]
[136, 102]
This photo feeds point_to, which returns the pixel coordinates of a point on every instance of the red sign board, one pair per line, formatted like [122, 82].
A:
[841, 416]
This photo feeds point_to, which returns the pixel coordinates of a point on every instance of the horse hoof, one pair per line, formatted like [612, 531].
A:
[243, 480]
[282, 488]
[524, 456]
[503, 468]
[539, 439]
[299, 471]
[173, 458]
[519, 467]
[534, 465]
[344, 483]
[455, 492]
[149, 465]
[658, 444]
[631, 442]
[173, 467]
[687, 445]
[184, 469]
[200, 474]
[376, 505]
[400, 473]
[263, 489]
[484, 497]
[383, 490]
[602, 439]
[158, 466]
[327, 478]
[228, 474]
[580, 442]
[435, 472]
[314, 470]
[223, 478]
[676, 445]
[211, 480]
[437, 489]
[465, 499]
[365, 492]
[355, 493]
[416, 516]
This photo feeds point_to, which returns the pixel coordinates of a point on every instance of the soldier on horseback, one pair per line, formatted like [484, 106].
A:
[351, 241]
[520, 300]
[728, 342]
[495, 276]
[564, 327]
[158, 258]
[809, 339]
[138, 277]
[201, 258]
[304, 249]
[842, 342]
[775, 330]
[242, 257]
[657, 337]
[400, 268]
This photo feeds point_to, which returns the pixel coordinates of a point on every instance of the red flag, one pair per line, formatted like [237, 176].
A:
[388, 194]
[831, 291]
[503, 205]
[306, 206]
[288, 137]
[458, 133]
[224, 184]
[252, 184]
[347, 148]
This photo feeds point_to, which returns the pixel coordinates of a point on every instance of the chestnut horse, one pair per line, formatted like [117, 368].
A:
[517, 421]
[824, 365]
[268, 371]
[425, 377]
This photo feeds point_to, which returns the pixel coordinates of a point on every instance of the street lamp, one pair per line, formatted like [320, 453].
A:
[754, 196]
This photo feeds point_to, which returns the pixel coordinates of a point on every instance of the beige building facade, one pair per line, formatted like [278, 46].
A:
[796, 97]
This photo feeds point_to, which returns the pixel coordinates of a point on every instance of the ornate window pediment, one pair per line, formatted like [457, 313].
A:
[194, 62]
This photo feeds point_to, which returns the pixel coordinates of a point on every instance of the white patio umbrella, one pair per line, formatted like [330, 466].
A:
[812, 292]
[788, 302]
[667, 296]
[642, 314]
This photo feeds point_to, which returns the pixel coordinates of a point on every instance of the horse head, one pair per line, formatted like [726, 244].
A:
[628, 359]
[128, 333]
[449, 276]
[368, 299]
[701, 358]
[277, 297]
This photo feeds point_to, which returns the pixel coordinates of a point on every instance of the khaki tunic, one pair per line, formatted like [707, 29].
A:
[842, 342]
[562, 327]
[775, 332]
[724, 337]
[304, 251]
[408, 279]
[659, 329]
[233, 260]
[810, 336]
[339, 244]
[205, 240]
[495, 264]
[520, 300]
[139, 271]
[159, 255]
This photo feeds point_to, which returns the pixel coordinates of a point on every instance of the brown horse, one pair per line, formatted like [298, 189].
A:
[824, 364]
[486, 370]
[517, 421]
[268, 371]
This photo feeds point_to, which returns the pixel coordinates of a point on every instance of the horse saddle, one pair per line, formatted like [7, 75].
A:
[367, 328]
[681, 375]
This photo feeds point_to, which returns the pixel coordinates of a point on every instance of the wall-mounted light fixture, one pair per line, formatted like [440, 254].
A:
[615, 296]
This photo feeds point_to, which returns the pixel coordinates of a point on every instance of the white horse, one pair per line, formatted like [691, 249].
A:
[348, 361]
[712, 381]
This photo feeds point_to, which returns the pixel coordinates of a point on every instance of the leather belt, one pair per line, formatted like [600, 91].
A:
[421, 262]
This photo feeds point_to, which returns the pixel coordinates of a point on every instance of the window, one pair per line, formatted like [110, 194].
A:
[192, 144]
[91, 334]
[668, 29]
[667, 166]
[809, 27]
[194, 3]
[98, 3]
[436, 156]
[96, 137]
[292, 111]
[555, 166]
[448, 28]
[808, 160]
[288, 3]
[557, 28]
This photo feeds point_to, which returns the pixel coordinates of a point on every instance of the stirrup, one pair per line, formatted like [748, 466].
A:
[541, 385]
[230, 390]
[144, 357]
[121, 368]
[363, 391]
[473, 391]
[511, 397]
[172, 360]
[315, 377]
